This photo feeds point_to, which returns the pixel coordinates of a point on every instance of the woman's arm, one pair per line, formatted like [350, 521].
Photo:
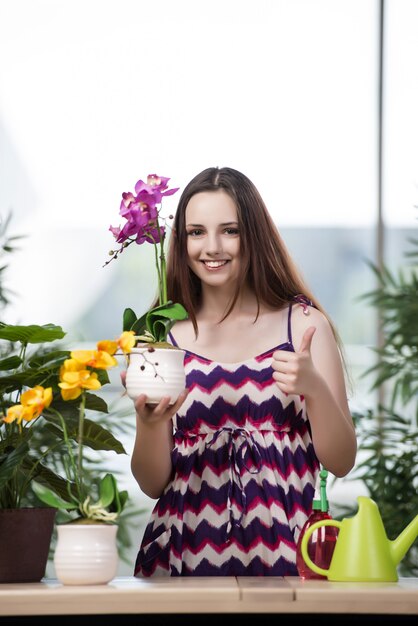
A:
[151, 456]
[315, 371]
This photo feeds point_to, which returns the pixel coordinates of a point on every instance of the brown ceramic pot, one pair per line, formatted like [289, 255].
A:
[25, 538]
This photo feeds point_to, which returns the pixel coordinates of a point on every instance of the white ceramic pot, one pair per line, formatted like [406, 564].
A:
[157, 373]
[86, 554]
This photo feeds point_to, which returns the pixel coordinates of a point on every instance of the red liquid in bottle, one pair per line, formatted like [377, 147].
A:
[321, 546]
[321, 543]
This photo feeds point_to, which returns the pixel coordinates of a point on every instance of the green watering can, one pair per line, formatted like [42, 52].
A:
[362, 550]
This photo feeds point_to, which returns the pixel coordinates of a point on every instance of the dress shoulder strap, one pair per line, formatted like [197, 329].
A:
[173, 341]
[305, 303]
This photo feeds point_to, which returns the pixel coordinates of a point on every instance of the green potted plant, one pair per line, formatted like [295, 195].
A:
[94, 505]
[388, 435]
[49, 388]
[25, 526]
[155, 366]
[25, 374]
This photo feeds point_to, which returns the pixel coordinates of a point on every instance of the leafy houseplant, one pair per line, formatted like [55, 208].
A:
[41, 389]
[51, 389]
[389, 435]
[25, 528]
[22, 375]
[144, 223]
[97, 504]
[32, 452]
[83, 372]
[31, 438]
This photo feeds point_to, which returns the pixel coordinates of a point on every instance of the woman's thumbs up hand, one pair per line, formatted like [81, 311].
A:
[294, 372]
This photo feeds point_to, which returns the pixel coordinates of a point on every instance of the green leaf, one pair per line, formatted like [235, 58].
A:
[140, 325]
[51, 499]
[102, 376]
[69, 410]
[32, 333]
[54, 358]
[10, 461]
[96, 403]
[46, 477]
[157, 321]
[161, 319]
[99, 438]
[109, 496]
[42, 368]
[107, 490]
[95, 436]
[10, 363]
[123, 498]
[161, 328]
[170, 310]
[129, 319]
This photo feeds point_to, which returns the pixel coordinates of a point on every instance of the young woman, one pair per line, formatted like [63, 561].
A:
[233, 462]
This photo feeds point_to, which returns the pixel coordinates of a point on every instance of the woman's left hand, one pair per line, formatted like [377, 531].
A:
[294, 372]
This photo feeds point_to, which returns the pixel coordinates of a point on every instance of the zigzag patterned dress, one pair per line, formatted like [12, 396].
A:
[244, 471]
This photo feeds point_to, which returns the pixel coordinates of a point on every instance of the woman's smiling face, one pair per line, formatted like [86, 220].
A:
[213, 241]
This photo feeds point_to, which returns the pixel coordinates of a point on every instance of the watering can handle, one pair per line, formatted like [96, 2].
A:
[304, 544]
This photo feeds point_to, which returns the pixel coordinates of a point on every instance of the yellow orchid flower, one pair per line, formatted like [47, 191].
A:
[104, 360]
[33, 402]
[107, 346]
[85, 357]
[18, 413]
[74, 377]
[98, 359]
[127, 341]
[37, 397]
[14, 414]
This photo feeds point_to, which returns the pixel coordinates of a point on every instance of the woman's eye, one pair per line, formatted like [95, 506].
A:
[231, 231]
[195, 232]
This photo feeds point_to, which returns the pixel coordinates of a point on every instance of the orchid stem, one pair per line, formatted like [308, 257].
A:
[80, 436]
[157, 264]
[164, 275]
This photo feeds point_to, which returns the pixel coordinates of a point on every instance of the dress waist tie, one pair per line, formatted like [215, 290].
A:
[241, 446]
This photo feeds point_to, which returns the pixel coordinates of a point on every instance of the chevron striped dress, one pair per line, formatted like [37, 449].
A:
[244, 470]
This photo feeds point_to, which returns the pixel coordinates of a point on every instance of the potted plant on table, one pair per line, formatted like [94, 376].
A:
[50, 388]
[388, 434]
[155, 366]
[86, 551]
[25, 526]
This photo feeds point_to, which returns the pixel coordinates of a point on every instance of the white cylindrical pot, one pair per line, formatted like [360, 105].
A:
[86, 554]
[157, 373]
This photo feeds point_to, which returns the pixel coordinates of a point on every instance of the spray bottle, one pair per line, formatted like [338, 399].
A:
[322, 542]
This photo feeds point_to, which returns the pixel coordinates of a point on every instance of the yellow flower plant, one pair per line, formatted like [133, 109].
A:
[32, 403]
[79, 375]
[53, 389]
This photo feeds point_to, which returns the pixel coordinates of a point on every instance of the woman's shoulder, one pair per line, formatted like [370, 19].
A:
[304, 316]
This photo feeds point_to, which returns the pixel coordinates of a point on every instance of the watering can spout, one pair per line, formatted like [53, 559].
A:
[400, 545]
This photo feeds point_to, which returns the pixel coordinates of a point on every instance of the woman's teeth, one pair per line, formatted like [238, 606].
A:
[214, 264]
